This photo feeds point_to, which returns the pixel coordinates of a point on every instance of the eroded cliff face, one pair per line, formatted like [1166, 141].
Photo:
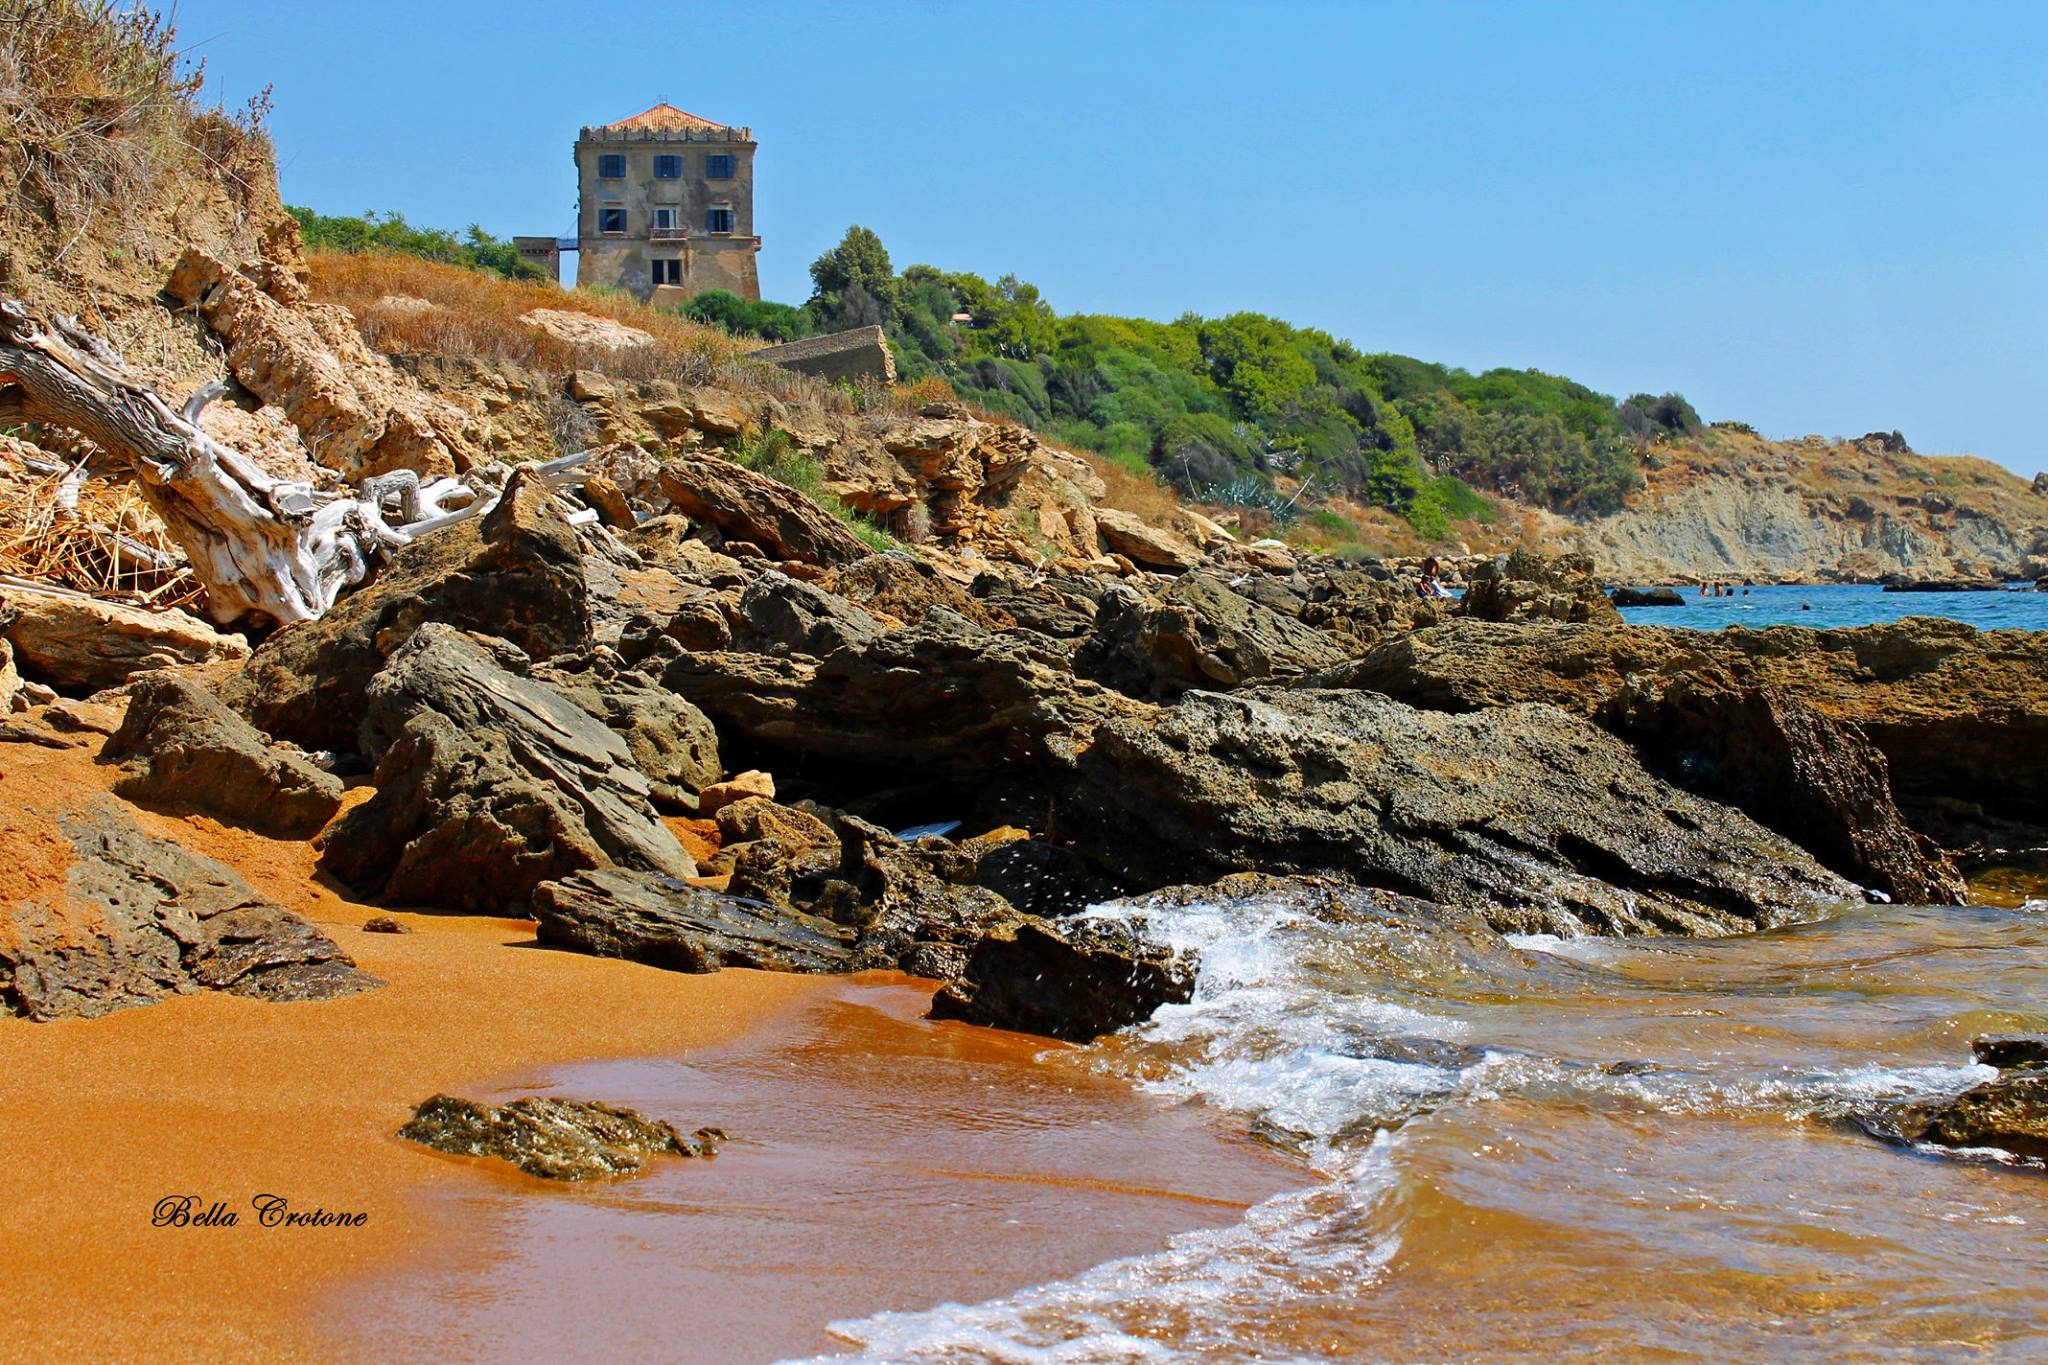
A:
[1743, 507]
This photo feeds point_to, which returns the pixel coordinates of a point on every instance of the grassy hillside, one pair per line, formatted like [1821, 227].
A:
[1235, 410]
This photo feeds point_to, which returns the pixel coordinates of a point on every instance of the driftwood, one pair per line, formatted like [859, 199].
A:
[264, 546]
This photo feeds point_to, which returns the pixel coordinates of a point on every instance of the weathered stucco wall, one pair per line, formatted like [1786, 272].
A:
[707, 259]
[856, 354]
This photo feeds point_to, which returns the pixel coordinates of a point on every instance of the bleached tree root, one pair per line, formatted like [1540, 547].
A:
[276, 548]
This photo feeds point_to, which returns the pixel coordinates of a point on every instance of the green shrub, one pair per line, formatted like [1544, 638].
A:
[475, 249]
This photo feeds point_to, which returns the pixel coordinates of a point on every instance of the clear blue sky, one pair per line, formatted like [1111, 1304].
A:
[1814, 217]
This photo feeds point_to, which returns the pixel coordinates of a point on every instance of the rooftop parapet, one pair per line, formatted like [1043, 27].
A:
[610, 133]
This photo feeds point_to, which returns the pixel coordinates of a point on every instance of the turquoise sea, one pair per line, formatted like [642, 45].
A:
[1845, 605]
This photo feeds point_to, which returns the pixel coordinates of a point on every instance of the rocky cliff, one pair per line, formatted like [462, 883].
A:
[1734, 505]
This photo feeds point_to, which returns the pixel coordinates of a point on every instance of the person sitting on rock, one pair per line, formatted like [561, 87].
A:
[1432, 582]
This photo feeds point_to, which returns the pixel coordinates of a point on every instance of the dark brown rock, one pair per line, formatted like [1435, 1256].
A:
[665, 922]
[140, 919]
[1541, 820]
[1071, 979]
[488, 783]
[516, 573]
[184, 752]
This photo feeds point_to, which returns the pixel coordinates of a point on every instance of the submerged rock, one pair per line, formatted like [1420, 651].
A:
[2009, 1113]
[1646, 597]
[182, 750]
[139, 919]
[552, 1138]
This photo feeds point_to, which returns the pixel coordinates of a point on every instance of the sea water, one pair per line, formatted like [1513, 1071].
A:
[1542, 1149]
[1836, 605]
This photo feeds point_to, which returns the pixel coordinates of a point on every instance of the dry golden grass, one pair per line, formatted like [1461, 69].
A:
[110, 544]
[1142, 495]
[477, 315]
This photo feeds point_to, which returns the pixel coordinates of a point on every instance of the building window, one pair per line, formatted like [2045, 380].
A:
[611, 166]
[718, 220]
[668, 168]
[611, 219]
[665, 220]
[718, 168]
[668, 272]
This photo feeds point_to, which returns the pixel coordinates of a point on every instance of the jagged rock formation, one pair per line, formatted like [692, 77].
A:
[488, 783]
[139, 919]
[183, 751]
[1956, 713]
[517, 573]
[1541, 819]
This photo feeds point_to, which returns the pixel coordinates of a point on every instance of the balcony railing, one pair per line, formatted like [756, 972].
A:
[667, 234]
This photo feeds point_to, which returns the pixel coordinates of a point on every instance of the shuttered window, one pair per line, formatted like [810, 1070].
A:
[611, 166]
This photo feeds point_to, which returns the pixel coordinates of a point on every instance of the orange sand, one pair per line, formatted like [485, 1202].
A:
[226, 1098]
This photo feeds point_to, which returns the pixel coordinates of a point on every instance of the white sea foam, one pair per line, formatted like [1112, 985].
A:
[1304, 1242]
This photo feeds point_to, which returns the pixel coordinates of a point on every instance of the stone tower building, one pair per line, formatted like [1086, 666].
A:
[665, 206]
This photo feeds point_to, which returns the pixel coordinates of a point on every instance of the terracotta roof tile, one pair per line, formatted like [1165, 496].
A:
[665, 116]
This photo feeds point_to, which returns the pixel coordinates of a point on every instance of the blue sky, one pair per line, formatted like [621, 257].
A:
[1822, 218]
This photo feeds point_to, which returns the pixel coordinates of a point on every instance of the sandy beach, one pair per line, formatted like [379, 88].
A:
[226, 1099]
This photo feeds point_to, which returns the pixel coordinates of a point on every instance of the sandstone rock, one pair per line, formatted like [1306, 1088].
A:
[1155, 548]
[609, 501]
[665, 922]
[753, 818]
[1527, 585]
[585, 329]
[82, 644]
[10, 680]
[779, 614]
[516, 573]
[904, 588]
[488, 783]
[1199, 634]
[672, 743]
[746, 506]
[744, 786]
[139, 919]
[552, 1138]
[1540, 819]
[356, 412]
[184, 751]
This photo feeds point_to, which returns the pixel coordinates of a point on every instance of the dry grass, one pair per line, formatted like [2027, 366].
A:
[1142, 495]
[100, 106]
[110, 545]
[475, 314]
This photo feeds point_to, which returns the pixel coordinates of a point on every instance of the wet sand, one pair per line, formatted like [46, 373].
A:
[879, 1162]
[225, 1099]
